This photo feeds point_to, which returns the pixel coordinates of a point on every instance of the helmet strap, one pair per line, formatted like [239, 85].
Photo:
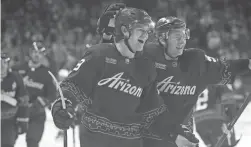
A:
[128, 45]
[126, 40]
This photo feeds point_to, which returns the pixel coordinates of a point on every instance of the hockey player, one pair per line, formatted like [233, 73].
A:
[105, 28]
[14, 104]
[109, 83]
[113, 87]
[41, 90]
[184, 73]
[210, 116]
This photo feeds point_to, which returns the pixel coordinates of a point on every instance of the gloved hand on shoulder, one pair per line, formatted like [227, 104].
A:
[106, 23]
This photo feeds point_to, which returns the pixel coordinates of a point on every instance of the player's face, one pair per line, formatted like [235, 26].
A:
[138, 38]
[4, 68]
[176, 42]
[36, 56]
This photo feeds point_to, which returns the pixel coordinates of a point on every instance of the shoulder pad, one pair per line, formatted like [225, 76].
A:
[193, 52]
[101, 49]
[192, 60]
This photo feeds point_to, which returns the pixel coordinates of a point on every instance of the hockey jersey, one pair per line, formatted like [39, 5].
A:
[213, 112]
[14, 98]
[40, 86]
[180, 82]
[111, 90]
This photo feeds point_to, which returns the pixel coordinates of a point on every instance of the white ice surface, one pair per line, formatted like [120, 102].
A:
[243, 126]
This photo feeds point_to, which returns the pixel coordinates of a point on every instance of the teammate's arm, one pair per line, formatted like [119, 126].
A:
[158, 120]
[222, 71]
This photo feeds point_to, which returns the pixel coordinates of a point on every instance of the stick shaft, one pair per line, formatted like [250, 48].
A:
[232, 123]
[63, 104]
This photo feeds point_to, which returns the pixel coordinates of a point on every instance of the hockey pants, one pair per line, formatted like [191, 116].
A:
[36, 129]
[91, 139]
[8, 132]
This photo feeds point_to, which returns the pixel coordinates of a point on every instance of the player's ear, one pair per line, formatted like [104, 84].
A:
[125, 31]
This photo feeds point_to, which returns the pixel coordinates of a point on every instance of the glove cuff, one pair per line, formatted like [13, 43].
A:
[59, 101]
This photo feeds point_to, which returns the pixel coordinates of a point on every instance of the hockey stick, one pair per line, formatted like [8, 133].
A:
[63, 104]
[73, 136]
[232, 123]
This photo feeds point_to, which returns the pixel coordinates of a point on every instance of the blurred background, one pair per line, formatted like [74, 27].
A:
[68, 27]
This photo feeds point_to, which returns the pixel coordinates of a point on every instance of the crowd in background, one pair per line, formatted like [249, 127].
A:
[67, 27]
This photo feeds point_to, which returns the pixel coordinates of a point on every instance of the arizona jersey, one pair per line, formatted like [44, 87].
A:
[110, 89]
[180, 82]
[14, 98]
[38, 82]
[212, 114]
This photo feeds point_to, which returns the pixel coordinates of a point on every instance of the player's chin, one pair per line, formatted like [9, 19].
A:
[140, 44]
[179, 51]
[139, 48]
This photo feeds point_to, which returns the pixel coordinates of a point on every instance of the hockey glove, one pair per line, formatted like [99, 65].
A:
[105, 23]
[63, 118]
[185, 137]
[22, 125]
[115, 7]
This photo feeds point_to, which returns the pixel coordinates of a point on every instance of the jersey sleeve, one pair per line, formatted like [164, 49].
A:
[79, 85]
[222, 71]
[22, 97]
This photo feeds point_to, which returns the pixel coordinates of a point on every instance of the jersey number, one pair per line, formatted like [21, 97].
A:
[210, 59]
[79, 65]
[202, 101]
